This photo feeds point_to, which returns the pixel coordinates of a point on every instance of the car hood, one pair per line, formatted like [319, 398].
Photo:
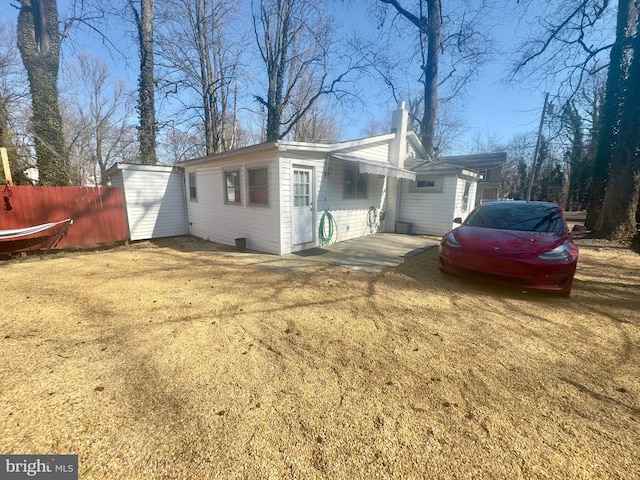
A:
[508, 242]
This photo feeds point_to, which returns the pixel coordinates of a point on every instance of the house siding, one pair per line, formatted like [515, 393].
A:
[378, 152]
[154, 199]
[213, 219]
[350, 215]
[430, 213]
[460, 210]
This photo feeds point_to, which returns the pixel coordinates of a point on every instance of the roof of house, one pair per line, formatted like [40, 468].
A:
[477, 160]
[284, 145]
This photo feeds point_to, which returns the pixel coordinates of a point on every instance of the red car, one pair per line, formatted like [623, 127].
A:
[514, 243]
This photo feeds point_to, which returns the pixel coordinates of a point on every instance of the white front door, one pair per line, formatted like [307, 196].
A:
[302, 201]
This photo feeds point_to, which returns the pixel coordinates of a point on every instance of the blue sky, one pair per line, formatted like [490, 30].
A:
[490, 109]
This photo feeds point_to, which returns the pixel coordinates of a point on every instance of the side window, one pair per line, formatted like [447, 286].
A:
[232, 187]
[258, 185]
[193, 189]
[355, 183]
[427, 184]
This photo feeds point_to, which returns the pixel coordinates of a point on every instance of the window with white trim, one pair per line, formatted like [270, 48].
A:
[232, 186]
[258, 185]
[425, 184]
[193, 188]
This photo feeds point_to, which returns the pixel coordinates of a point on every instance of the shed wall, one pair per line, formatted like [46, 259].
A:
[154, 202]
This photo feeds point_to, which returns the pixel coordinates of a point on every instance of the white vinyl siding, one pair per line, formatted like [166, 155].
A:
[378, 152]
[463, 209]
[154, 200]
[429, 213]
[350, 214]
[214, 219]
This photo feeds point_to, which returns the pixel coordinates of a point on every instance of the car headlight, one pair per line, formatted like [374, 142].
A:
[450, 240]
[561, 252]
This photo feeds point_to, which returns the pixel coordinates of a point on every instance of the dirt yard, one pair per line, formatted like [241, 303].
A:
[178, 362]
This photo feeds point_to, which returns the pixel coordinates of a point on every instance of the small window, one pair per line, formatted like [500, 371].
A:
[427, 184]
[232, 187]
[259, 186]
[193, 190]
[355, 183]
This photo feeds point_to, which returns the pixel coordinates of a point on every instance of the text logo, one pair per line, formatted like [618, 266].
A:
[45, 467]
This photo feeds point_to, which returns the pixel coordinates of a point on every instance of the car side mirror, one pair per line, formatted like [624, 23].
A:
[457, 220]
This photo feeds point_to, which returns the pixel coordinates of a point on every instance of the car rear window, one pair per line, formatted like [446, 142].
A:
[526, 217]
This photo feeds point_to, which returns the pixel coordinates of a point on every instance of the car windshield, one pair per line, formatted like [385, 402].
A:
[526, 217]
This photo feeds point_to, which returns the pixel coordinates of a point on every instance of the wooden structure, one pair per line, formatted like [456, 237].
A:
[97, 215]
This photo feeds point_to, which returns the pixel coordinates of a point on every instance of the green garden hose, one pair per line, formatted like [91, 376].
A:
[326, 230]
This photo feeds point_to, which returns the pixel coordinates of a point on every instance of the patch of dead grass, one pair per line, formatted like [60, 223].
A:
[156, 362]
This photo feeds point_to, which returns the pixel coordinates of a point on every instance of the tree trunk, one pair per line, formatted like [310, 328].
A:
[618, 66]
[617, 217]
[39, 44]
[433, 33]
[277, 72]
[146, 99]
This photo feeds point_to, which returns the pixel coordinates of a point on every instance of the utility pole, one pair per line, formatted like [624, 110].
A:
[535, 153]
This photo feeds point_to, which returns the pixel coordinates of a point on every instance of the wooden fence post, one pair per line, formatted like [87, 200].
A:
[5, 165]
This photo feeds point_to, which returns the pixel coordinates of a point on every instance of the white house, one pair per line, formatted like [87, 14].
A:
[278, 195]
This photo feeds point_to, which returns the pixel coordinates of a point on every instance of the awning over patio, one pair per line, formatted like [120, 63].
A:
[375, 168]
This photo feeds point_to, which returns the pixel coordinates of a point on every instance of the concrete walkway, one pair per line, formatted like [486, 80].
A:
[368, 254]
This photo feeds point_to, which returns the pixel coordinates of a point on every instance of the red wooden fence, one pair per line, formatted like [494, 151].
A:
[97, 212]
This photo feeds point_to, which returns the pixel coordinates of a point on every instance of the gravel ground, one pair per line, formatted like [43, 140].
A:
[168, 361]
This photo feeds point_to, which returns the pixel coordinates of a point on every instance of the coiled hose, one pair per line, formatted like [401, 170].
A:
[327, 228]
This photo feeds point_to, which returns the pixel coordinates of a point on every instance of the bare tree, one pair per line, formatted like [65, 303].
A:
[12, 101]
[297, 47]
[316, 126]
[452, 35]
[99, 132]
[201, 51]
[428, 21]
[178, 145]
[514, 172]
[143, 14]
[39, 43]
